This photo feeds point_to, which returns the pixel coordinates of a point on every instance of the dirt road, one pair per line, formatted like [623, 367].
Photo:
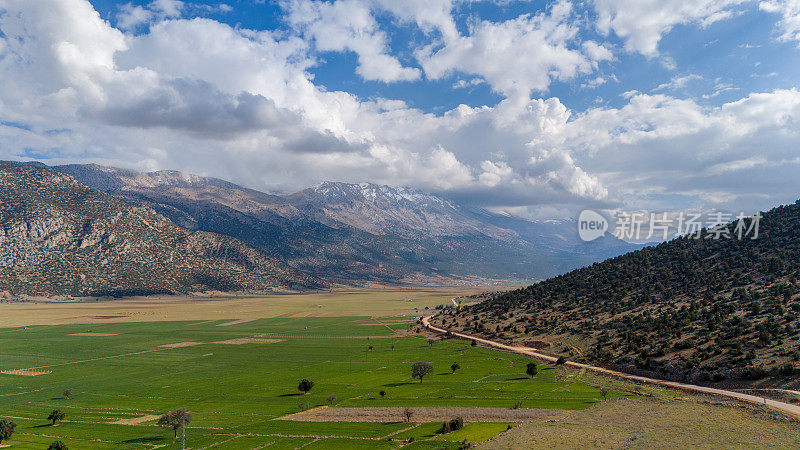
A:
[788, 408]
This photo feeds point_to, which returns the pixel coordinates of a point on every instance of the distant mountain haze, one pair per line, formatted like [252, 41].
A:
[360, 232]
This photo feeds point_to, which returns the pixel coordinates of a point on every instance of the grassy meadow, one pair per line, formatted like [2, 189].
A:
[237, 394]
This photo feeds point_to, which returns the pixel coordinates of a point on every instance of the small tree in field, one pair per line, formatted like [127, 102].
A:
[531, 369]
[331, 399]
[454, 367]
[561, 360]
[67, 393]
[420, 369]
[175, 420]
[6, 430]
[408, 413]
[55, 416]
[430, 342]
[305, 386]
[382, 393]
[57, 445]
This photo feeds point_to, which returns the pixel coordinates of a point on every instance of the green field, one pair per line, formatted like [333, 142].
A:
[236, 392]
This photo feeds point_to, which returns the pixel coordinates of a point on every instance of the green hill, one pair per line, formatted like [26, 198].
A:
[702, 310]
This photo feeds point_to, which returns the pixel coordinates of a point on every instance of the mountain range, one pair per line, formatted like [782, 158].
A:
[355, 233]
[60, 237]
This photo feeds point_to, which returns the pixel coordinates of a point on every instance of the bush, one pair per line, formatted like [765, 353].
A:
[57, 445]
[453, 425]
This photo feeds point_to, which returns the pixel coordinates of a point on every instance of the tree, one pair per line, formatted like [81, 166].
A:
[55, 416]
[430, 342]
[454, 367]
[604, 391]
[408, 413]
[305, 386]
[6, 430]
[175, 420]
[67, 393]
[474, 343]
[561, 360]
[382, 393]
[420, 369]
[531, 369]
[331, 399]
[57, 445]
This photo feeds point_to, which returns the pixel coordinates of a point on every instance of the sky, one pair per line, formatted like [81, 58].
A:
[534, 108]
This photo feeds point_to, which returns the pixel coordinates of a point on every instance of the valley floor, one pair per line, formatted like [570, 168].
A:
[238, 374]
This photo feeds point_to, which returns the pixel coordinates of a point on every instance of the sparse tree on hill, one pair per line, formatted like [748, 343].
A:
[305, 386]
[331, 399]
[67, 393]
[531, 369]
[175, 420]
[55, 416]
[430, 342]
[6, 430]
[382, 393]
[454, 367]
[57, 445]
[474, 343]
[420, 369]
[561, 360]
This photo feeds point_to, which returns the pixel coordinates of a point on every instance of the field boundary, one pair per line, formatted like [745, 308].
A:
[793, 410]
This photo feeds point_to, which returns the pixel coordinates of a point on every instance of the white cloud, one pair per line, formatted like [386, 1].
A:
[349, 25]
[642, 23]
[205, 97]
[130, 17]
[789, 11]
[517, 56]
[678, 82]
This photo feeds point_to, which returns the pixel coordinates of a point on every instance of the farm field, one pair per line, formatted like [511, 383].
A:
[238, 393]
[352, 302]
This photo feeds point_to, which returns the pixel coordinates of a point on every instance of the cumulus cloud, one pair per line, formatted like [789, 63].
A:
[198, 95]
[642, 23]
[789, 11]
[349, 25]
[516, 56]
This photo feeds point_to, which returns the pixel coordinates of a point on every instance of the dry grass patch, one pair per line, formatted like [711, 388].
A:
[240, 341]
[25, 372]
[94, 334]
[181, 344]
[424, 414]
[136, 420]
[653, 423]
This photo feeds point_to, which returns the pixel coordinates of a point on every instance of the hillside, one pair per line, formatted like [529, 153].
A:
[60, 237]
[360, 232]
[702, 310]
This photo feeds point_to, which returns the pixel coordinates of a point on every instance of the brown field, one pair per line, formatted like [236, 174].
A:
[181, 344]
[656, 423]
[240, 341]
[93, 334]
[424, 414]
[381, 302]
[24, 372]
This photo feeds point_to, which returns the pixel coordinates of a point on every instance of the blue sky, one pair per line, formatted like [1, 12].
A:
[530, 107]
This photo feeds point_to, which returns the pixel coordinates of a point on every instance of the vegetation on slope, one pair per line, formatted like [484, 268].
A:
[701, 310]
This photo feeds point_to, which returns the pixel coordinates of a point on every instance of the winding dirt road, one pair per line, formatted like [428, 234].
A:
[788, 408]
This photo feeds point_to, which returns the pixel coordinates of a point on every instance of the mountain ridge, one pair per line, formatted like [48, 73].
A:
[355, 232]
[59, 237]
